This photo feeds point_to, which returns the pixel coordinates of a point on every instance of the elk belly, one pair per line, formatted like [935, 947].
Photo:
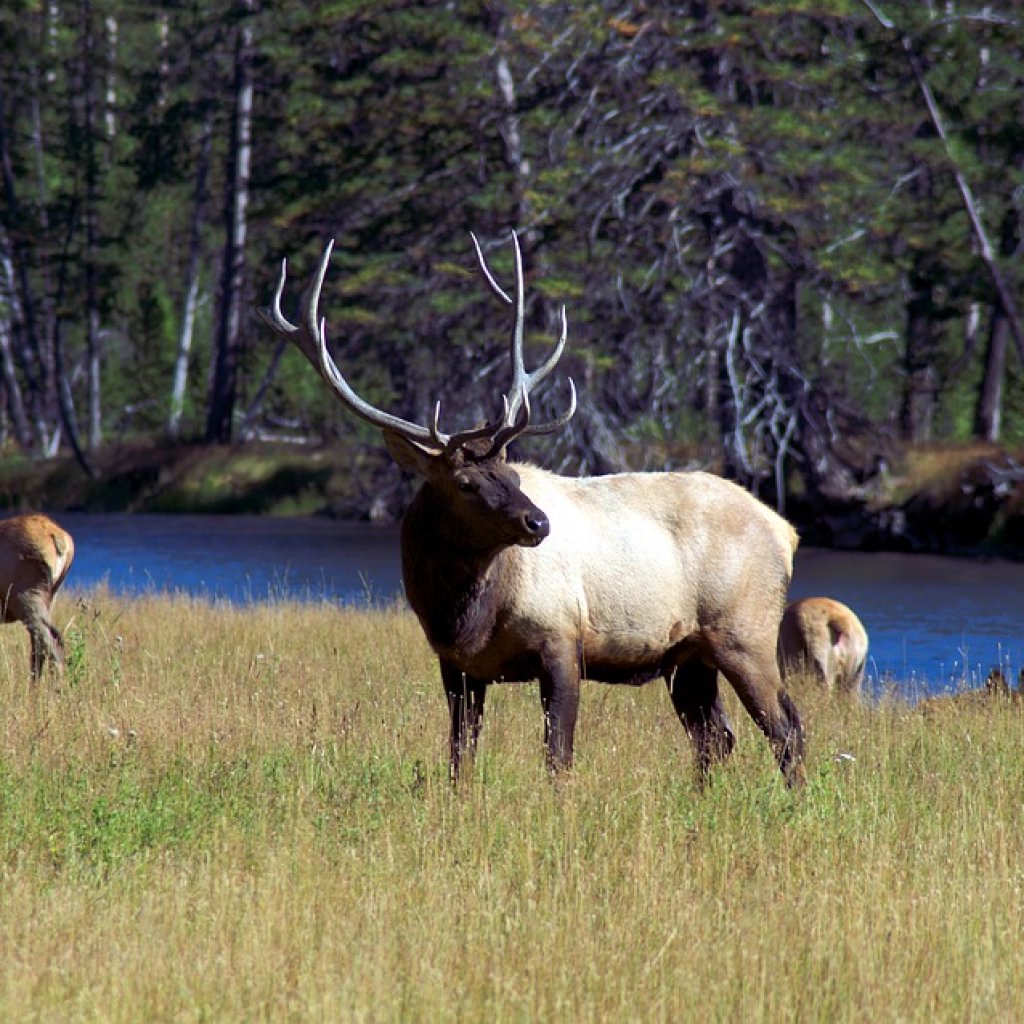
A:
[637, 610]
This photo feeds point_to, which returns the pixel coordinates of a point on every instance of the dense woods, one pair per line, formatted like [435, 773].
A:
[787, 234]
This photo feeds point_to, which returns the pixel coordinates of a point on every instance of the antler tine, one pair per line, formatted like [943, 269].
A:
[516, 419]
[534, 429]
[511, 426]
[457, 440]
[463, 437]
[273, 314]
[310, 336]
[520, 380]
[486, 272]
[534, 378]
[522, 427]
[311, 323]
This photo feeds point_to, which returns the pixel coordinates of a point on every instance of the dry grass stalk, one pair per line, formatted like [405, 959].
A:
[244, 814]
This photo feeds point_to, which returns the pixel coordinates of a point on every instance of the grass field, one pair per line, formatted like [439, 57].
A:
[243, 814]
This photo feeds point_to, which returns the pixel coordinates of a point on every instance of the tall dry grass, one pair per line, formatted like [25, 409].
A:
[243, 814]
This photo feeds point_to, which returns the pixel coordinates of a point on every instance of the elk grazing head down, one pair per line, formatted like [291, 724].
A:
[516, 573]
[826, 639]
[35, 556]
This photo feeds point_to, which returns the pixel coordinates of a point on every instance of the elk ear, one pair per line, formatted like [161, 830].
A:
[409, 455]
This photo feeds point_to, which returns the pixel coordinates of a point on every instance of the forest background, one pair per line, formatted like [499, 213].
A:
[787, 236]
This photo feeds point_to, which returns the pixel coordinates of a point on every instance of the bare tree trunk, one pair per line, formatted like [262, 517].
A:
[986, 252]
[92, 311]
[47, 312]
[14, 403]
[224, 383]
[43, 82]
[988, 413]
[261, 391]
[163, 62]
[508, 125]
[65, 400]
[95, 435]
[110, 98]
[66, 404]
[20, 296]
[510, 133]
[1003, 290]
[188, 313]
[920, 392]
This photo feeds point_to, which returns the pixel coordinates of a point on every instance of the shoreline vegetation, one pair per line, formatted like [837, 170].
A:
[965, 499]
[238, 814]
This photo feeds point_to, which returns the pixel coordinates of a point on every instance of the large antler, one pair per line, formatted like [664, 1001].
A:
[310, 336]
[516, 418]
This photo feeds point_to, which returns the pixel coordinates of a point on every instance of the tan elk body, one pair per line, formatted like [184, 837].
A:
[35, 556]
[825, 638]
[516, 573]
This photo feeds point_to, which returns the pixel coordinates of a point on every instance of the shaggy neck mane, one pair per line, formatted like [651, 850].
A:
[448, 580]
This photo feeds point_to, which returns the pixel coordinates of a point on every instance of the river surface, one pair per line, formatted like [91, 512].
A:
[934, 623]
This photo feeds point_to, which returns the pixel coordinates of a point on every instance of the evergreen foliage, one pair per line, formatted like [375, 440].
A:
[760, 235]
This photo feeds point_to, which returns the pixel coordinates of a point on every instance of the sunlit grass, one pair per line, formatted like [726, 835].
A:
[237, 814]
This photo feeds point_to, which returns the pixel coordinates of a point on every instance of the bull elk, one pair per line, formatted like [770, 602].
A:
[516, 573]
[35, 556]
[826, 639]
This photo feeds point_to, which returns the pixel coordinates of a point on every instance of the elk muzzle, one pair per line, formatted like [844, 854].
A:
[536, 527]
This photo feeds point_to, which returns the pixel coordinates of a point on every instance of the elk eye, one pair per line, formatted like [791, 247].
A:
[464, 484]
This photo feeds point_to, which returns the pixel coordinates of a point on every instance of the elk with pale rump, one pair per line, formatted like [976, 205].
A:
[516, 573]
[35, 556]
[826, 639]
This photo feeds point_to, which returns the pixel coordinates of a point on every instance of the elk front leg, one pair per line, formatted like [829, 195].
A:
[560, 698]
[465, 696]
[693, 687]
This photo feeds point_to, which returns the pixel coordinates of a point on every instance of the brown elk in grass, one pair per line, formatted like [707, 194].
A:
[995, 694]
[35, 556]
[826, 639]
[516, 573]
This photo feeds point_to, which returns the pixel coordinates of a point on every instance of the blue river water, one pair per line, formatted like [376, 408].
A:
[935, 623]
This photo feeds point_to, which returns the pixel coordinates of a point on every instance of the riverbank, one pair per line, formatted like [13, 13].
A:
[952, 499]
[259, 478]
[965, 500]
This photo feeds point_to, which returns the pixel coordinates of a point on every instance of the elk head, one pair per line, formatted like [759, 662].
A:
[468, 468]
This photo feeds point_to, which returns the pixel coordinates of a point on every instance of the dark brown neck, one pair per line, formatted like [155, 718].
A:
[448, 582]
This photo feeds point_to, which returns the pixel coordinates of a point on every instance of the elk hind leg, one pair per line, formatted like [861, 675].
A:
[693, 687]
[47, 645]
[754, 676]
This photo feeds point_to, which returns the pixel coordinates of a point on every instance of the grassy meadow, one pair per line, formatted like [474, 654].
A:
[244, 814]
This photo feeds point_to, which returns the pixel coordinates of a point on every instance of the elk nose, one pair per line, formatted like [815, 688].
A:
[537, 524]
